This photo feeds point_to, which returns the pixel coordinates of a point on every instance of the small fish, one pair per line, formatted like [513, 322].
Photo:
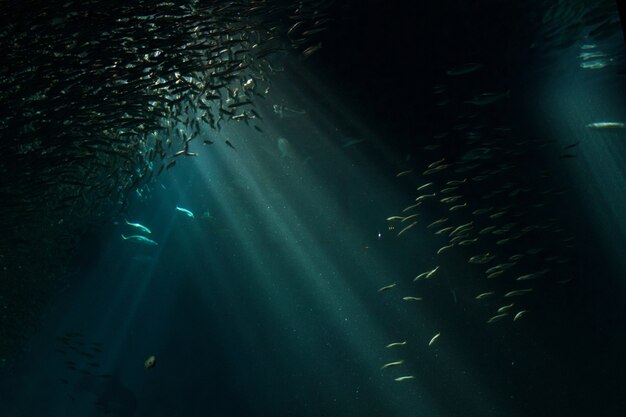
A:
[435, 169]
[404, 378]
[444, 230]
[467, 242]
[141, 239]
[138, 226]
[444, 248]
[437, 222]
[394, 344]
[208, 142]
[519, 315]
[436, 163]
[387, 365]
[432, 272]
[462, 228]
[409, 217]
[184, 210]
[411, 207]
[451, 199]
[387, 287]
[424, 197]
[407, 228]
[458, 206]
[403, 173]
[497, 318]
[421, 187]
[526, 277]
[394, 218]
[485, 295]
[230, 145]
[434, 339]
[482, 211]
[518, 292]
[495, 274]
[412, 298]
[426, 274]
[311, 50]
[150, 362]
[606, 125]
[505, 308]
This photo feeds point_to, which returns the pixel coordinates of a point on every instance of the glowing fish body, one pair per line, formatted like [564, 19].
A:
[141, 239]
[394, 344]
[606, 125]
[138, 226]
[387, 365]
[184, 210]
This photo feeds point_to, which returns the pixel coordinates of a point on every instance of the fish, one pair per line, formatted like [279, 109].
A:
[505, 308]
[427, 274]
[437, 222]
[404, 378]
[516, 293]
[461, 229]
[412, 298]
[424, 196]
[411, 207]
[434, 339]
[394, 344]
[140, 239]
[435, 169]
[421, 187]
[444, 230]
[497, 318]
[406, 228]
[311, 50]
[606, 125]
[390, 364]
[457, 207]
[184, 210]
[451, 199]
[485, 295]
[444, 248]
[495, 274]
[403, 173]
[527, 277]
[482, 211]
[230, 145]
[138, 226]
[150, 362]
[387, 287]
[519, 315]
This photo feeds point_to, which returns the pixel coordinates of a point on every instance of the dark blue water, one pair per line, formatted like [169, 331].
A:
[266, 302]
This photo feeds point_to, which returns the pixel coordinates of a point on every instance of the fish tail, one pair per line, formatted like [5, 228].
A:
[124, 237]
